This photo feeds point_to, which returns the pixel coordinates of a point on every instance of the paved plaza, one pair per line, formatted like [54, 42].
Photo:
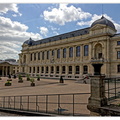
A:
[46, 87]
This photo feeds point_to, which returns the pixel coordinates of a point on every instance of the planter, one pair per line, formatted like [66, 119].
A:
[20, 81]
[8, 84]
[28, 79]
[9, 79]
[38, 79]
[32, 84]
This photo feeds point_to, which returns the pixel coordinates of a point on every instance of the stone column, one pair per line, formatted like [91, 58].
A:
[2, 70]
[97, 98]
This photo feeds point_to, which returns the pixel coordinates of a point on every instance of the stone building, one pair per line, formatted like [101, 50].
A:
[72, 54]
[8, 67]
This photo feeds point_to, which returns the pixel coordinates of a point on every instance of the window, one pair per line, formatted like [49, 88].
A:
[58, 53]
[42, 69]
[118, 42]
[77, 51]
[70, 69]
[118, 54]
[63, 69]
[33, 69]
[37, 69]
[34, 56]
[77, 70]
[52, 69]
[52, 52]
[71, 52]
[85, 69]
[30, 70]
[31, 56]
[86, 50]
[57, 69]
[47, 54]
[39, 56]
[118, 68]
[64, 53]
[42, 55]
[47, 69]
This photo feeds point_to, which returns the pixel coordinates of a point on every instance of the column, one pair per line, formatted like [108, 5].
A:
[60, 70]
[2, 70]
[82, 52]
[97, 98]
[66, 68]
[73, 70]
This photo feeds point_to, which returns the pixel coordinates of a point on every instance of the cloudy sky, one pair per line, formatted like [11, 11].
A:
[19, 22]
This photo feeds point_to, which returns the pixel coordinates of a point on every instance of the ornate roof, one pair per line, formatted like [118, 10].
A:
[104, 21]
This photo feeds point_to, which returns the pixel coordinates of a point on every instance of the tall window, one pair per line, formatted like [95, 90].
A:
[85, 69]
[86, 50]
[37, 69]
[57, 69]
[47, 69]
[42, 69]
[77, 51]
[31, 56]
[47, 54]
[39, 56]
[34, 56]
[77, 70]
[33, 69]
[52, 52]
[118, 68]
[42, 55]
[30, 70]
[70, 69]
[118, 54]
[64, 53]
[52, 69]
[71, 52]
[58, 53]
[63, 69]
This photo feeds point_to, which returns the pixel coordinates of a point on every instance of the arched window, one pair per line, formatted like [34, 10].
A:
[64, 53]
[70, 69]
[86, 50]
[85, 69]
[57, 69]
[71, 52]
[118, 68]
[77, 70]
[63, 69]
[77, 51]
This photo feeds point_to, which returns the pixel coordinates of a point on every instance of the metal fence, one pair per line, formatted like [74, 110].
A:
[59, 104]
[112, 88]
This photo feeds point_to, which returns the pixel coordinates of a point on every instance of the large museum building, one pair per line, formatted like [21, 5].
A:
[72, 54]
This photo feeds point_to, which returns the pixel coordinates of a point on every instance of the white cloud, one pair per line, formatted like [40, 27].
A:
[65, 14]
[43, 30]
[12, 36]
[96, 17]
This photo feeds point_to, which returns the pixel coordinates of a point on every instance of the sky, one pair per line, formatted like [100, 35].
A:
[20, 21]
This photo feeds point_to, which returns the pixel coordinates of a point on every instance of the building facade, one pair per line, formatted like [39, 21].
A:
[72, 54]
[8, 67]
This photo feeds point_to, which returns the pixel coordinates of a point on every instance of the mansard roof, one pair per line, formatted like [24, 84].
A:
[60, 37]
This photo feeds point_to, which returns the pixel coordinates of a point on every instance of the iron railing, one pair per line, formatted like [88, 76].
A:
[61, 104]
[112, 88]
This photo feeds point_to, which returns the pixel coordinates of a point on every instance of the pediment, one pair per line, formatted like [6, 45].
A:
[97, 26]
